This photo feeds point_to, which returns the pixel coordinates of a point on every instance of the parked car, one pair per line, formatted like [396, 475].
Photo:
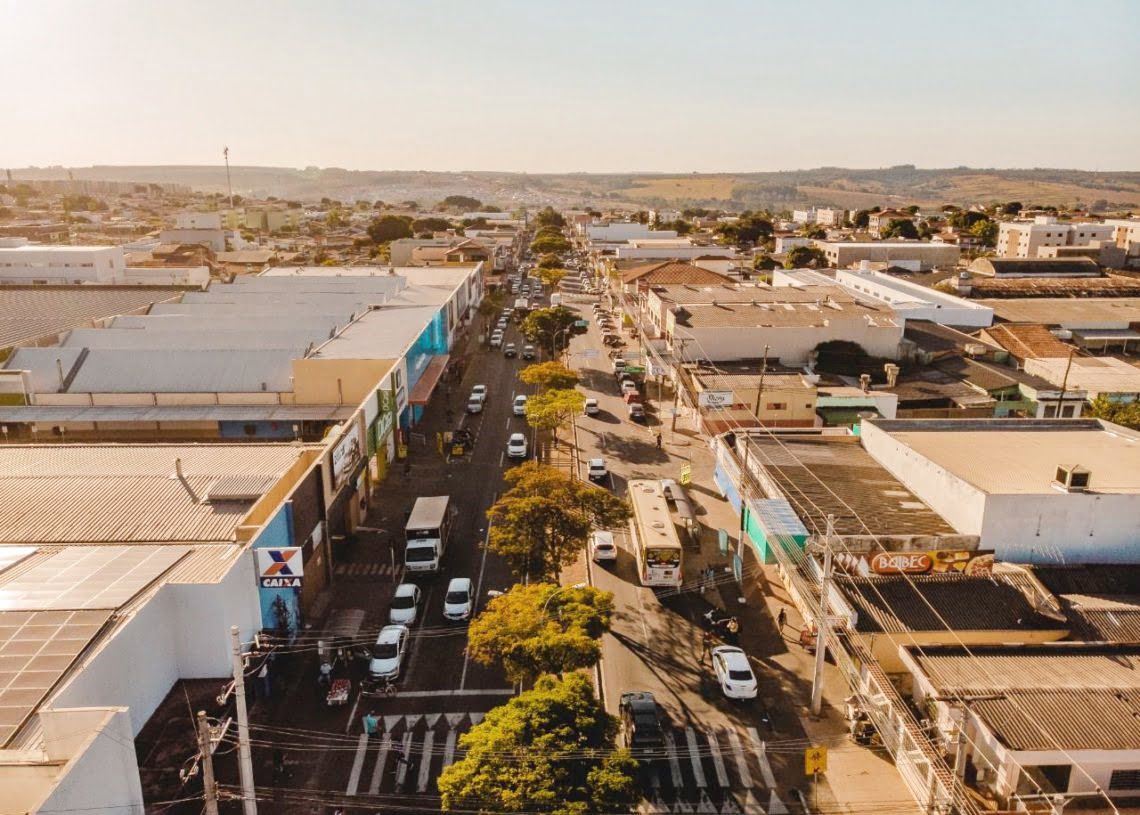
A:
[405, 605]
[516, 446]
[480, 391]
[617, 364]
[627, 384]
[474, 403]
[388, 652]
[591, 407]
[636, 412]
[602, 546]
[510, 351]
[528, 352]
[596, 470]
[520, 405]
[459, 599]
[497, 339]
[640, 721]
[631, 397]
[734, 672]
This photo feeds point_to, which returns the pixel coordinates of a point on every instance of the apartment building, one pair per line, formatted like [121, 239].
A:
[1027, 239]
[22, 262]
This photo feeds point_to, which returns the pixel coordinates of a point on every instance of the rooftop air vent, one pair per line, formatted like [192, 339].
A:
[975, 349]
[1072, 479]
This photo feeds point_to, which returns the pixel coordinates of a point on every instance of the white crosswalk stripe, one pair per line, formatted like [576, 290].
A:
[718, 759]
[738, 754]
[402, 766]
[357, 764]
[425, 761]
[381, 760]
[761, 751]
[695, 757]
[449, 748]
[674, 764]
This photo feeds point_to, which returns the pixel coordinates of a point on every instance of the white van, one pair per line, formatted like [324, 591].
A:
[602, 546]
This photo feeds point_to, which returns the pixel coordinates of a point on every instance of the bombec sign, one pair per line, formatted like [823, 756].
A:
[280, 568]
[932, 561]
[901, 563]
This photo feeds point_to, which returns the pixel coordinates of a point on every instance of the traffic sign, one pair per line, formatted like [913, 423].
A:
[581, 323]
[815, 760]
[686, 475]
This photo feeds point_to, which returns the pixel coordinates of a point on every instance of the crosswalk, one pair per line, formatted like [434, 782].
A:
[721, 770]
[363, 569]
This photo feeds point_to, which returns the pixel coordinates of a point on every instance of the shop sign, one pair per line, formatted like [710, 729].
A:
[280, 568]
[714, 399]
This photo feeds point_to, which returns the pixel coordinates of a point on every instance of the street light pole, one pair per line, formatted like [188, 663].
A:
[763, 370]
[558, 591]
[821, 624]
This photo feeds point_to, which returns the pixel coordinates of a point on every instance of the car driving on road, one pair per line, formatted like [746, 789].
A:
[591, 407]
[520, 405]
[596, 470]
[734, 672]
[458, 601]
[388, 653]
[516, 446]
[641, 721]
[602, 546]
[405, 605]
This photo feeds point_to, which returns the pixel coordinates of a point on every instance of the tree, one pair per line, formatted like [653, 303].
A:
[966, 218]
[431, 225]
[464, 203]
[899, 228]
[913, 209]
[749, 228]
[861, 219]
[549, 262]
[545, 325]
[986, 231]
[551, 409]
[550, 749]
[549, 276]
[542, 523]
[548, 216]
[764, 263]
[389, 228]
[799, 256]
[541, 628]
[550, 244]
[548, 230]
[548, 376]
[1126, 414]
[815, 232]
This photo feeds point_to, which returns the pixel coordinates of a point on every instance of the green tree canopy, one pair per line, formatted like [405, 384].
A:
[541, 628]
[548, 230]
[899, 228]
[549, 216]
[550, 749]
[549, 262]
[390, 228]
[800, 256]
[431, 225]
[549, 276]
[749, 228]
[986, 231]
[551, 409]
[1126, 414]
[966, 218]
[463, 203]
[548, 375]
[542, 523]
[861, 219]
[550, 244]
[544, 325]
[1012, 208]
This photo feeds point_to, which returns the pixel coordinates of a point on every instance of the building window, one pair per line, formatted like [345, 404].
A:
[776, 406]
[1124, 780]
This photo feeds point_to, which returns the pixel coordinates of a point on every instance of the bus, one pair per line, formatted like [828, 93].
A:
[656, 543]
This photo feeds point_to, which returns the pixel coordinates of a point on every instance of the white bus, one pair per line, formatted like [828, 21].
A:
[656, 543]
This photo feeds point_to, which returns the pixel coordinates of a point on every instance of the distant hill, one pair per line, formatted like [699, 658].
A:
[834, 186]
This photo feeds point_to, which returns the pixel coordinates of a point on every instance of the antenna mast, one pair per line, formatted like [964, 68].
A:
[229, 183]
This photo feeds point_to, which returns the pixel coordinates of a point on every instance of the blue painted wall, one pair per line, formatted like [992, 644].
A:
[279, 605]
[262, 430]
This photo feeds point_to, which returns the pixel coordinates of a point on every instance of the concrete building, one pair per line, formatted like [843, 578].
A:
[734, 399]
[660, 298]
[790, 321]
[1126, 236]
[1112, 378]
[803, 216]
[830, 216]
[914, 255]
[1036, 491]
[1026, 239]
[623, 232]
[669, 249]
[785, 243]
[26, 263]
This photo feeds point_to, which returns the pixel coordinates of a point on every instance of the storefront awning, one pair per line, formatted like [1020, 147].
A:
[424, 388]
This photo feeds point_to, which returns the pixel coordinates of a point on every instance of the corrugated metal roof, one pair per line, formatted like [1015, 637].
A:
[175, 413]
[145, 371]
[1072, 720]
[28, 312]
[156, 338]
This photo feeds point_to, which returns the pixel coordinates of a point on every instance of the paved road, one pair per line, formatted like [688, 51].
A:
[723, 756]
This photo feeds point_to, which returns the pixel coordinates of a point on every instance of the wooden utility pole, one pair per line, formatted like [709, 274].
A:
[209, 786]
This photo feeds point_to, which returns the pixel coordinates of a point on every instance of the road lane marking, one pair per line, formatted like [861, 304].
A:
[357, 764]
[752, 806]
[402, 766]
[695, 758]
[449, 748]
[425, 761]
[381, 760]
[761, 751]
[718, 759]
[775, 805]
[425, 694]
[741, 762]
[674, 764]
[391, 721]
[478, 593]
[476, 717]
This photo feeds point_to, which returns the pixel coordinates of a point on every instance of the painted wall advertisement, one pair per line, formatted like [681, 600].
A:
[938, 561]
[279, 574]
[714, 399]
[346, 454]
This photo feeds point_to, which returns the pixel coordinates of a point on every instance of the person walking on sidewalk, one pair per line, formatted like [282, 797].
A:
[658, 441]
[782, 618]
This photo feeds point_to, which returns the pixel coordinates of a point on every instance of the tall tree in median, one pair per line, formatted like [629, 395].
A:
[542, 523]
[550, 244]
[541, 628]
[545, 325]
[549, 276]
[548, 376]
[550, 749]
[551, 409]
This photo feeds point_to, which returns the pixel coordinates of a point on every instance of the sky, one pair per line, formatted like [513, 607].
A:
[573, 85]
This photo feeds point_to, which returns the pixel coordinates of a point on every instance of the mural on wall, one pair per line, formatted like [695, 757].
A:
[280, 599]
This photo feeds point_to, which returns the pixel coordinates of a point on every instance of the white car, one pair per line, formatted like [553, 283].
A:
[618, 364]
[602, 546]
[458, 601]
[628, 386]
[516, 446]
[520, 405]
[405, 604]
[475, 403]
[497, 339]
[734, 672]
[596, 470]
[388, 652]
[591, 407]
[480, 391]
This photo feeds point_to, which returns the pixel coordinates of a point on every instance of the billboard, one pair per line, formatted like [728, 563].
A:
[279, 568]
[346, 454]
[936, 561]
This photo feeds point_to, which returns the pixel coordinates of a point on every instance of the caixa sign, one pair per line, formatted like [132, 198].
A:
[280, 568]
[901, 563]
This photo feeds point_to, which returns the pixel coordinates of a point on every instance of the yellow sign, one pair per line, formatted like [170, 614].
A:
[686, 474]
[815, 760]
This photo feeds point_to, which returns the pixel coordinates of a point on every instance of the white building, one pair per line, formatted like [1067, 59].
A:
[622, 232]
[669, 249]
[916, 302]
[1026, 239]
[25, 263]
[1112, 378]
[198, 220]
[1045, 491]
[916, 255]
[829, 216]
[803, 216]
[785, 243]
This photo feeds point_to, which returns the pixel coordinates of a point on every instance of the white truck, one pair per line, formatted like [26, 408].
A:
[427, 532]
[522, 306]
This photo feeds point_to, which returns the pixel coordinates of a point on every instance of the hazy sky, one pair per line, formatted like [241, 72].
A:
[572, 85]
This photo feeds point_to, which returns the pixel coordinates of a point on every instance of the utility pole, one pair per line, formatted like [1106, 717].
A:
[229, 183]
[1065, 386]
[245, 759]
[677, 386]
[821, 623]
[208, 785]
[763, 370]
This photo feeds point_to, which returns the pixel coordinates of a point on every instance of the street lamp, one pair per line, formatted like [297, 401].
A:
[557, 334]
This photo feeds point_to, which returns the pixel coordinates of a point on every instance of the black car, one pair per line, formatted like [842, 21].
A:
[641, 723]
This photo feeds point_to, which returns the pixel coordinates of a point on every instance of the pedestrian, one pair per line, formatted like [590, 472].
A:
[658, 441]
[401, 756]
[326, 673]
[706, 641]
[371, 723]
[782, 618]
[263, 683]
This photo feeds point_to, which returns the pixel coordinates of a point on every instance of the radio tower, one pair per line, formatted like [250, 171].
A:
[229, 183]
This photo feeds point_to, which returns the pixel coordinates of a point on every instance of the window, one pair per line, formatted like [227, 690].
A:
[1124, 780]
[776, 406]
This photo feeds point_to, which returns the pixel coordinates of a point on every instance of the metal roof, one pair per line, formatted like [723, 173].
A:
[175, 413]
[193, 371]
